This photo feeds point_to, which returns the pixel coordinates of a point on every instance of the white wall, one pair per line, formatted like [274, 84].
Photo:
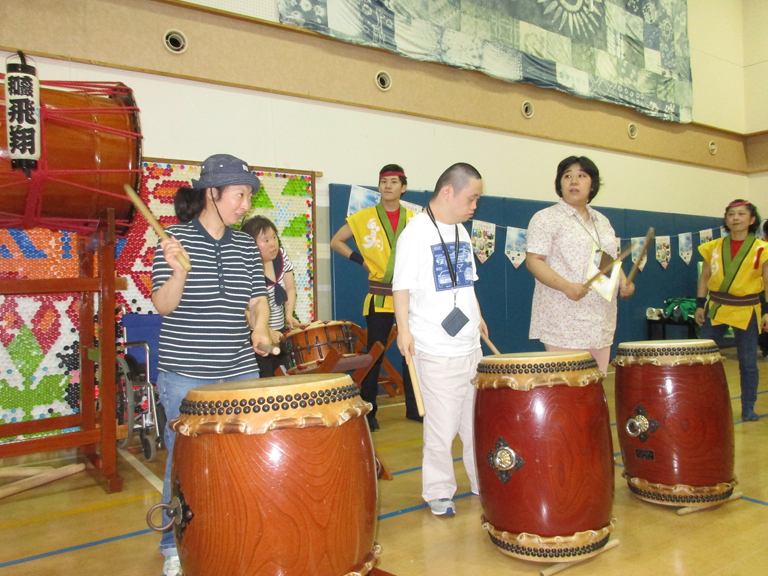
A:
[755, 64]
[716, 32]
[190, 120]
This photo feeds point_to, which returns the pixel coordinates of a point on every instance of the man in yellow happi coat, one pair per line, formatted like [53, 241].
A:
[734, 274]
[376, 230]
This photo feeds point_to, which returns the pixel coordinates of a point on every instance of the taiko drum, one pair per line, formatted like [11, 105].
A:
[310, 344]
[544, 455]
[674, 421]
[275, 477]
[91, 147]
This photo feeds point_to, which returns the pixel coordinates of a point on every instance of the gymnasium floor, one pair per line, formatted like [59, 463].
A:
[71, 527]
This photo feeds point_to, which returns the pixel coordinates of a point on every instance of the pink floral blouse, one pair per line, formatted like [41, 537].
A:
[560, 234]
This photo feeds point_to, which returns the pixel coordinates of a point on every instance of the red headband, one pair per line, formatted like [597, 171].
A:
[740, 203]
[385, 174]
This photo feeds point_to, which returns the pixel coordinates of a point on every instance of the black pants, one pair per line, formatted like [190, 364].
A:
[268, 364]
[379, 326]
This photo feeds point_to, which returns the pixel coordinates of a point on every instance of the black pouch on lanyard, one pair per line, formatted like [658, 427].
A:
[454, 322]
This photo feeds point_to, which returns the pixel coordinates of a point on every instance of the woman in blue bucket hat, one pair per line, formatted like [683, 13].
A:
[205, 338]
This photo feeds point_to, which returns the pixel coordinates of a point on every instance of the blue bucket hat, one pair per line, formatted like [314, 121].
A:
[225, 170]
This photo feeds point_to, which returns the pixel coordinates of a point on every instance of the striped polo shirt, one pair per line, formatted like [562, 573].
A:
[207, 335]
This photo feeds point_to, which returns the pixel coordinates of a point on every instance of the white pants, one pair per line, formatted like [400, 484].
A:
[449, 404]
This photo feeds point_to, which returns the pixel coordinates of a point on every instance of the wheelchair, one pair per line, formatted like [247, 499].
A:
[138, 404]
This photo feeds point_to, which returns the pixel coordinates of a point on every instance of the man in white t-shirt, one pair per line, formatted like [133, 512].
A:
[439, 324]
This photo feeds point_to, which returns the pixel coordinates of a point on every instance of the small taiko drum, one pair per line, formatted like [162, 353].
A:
[275, 478]
[91, 147]
[674, 421]
[544, 455]
[310, 344]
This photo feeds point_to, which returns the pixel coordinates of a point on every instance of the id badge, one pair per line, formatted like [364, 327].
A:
[454, 322]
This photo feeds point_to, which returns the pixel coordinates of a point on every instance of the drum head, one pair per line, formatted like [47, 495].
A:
[256, 406]
[667, 352]
[528, 370]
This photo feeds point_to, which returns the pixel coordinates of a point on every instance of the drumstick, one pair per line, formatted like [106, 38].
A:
[557, 568]
[268, 348]
[489, 343]
[648, 237]
[415, 382]
[156, 226]
[605, 269]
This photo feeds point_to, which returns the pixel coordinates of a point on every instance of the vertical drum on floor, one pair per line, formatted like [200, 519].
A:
[544, 455]
[674, 421]
[275, 477]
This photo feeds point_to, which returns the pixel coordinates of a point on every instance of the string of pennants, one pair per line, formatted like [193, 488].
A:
[484, 235]
[484, 244]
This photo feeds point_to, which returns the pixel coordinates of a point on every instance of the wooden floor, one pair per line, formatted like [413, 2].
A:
[71, 527]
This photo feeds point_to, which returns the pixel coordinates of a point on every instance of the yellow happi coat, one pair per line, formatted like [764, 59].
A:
[371, 240]
[748, 280]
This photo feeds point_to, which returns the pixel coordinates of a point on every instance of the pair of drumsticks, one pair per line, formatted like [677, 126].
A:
[604, 270]
[160, 231]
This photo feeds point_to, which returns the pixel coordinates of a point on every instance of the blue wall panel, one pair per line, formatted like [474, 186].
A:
[505, 292]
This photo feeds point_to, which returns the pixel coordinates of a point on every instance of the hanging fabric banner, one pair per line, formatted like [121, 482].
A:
[663, 251]
[515, 245]
[483, 239]
[360, 198]
[686, 246]
[637, 247]
[705, 236]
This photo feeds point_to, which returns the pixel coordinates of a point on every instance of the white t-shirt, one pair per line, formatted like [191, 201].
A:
[421, 268]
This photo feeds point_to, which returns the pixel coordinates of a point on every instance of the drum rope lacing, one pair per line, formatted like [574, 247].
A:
[31, 218]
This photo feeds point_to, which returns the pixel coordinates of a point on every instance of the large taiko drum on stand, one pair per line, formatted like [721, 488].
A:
[309, 345]
[674, 421]
[91, 147]
[544, 455]
[275, 478]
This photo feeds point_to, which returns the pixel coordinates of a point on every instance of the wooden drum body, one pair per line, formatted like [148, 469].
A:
[90, 148]
[310, 344]
[275, 478]
[544, 455]
[674, 421]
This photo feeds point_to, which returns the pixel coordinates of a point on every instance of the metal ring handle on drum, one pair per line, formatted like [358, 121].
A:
[170, 510]
[637, 425]
[505, 458]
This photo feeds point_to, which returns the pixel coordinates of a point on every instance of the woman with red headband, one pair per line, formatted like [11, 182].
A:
[734, 273]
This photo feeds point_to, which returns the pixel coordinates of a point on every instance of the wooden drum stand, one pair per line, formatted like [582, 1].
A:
[97, 427]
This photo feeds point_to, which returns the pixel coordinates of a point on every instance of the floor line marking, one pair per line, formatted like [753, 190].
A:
[77, 511]
[417, 507]
[150, 476]
[74, 548]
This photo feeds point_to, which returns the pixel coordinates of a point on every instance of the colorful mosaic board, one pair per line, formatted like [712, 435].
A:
[39, 358]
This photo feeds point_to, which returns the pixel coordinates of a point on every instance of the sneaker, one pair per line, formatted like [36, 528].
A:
[172, 566]
[442, 507]
[750, 416]
[415, 417]
[373, 424]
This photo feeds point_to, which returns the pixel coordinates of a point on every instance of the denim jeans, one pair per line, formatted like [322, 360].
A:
[173, 389]
[746, 351]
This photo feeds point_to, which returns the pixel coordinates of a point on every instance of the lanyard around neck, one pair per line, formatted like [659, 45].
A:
[451, 271]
